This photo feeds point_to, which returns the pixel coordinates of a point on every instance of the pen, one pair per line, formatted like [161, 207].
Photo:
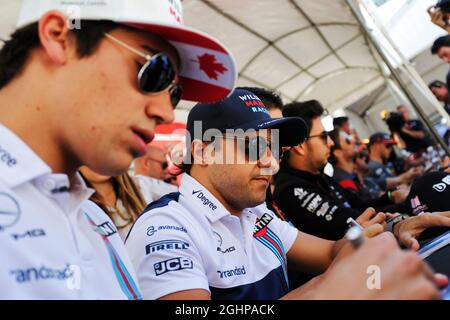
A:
[355, 236]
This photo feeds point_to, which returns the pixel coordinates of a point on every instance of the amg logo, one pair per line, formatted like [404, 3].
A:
[166, 245]
[262, 222]
[227, 250]
[232, 273]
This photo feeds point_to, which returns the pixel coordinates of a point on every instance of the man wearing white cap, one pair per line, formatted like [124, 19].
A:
[86, 84]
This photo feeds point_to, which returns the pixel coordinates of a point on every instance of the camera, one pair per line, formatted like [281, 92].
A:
[395, 121]
[443, 5]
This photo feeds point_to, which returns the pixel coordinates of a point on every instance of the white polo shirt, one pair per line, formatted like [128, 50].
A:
[54, 243]
[188, 240]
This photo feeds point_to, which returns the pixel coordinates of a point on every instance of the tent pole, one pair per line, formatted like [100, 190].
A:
[396, 76]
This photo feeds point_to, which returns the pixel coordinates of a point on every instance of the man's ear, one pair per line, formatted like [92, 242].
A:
[197, 148]
[300, 149]
[337, 152]
[54, 36]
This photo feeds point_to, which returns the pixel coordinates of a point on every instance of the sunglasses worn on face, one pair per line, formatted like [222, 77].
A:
[324, 136]
[255, 147]
[157, 74]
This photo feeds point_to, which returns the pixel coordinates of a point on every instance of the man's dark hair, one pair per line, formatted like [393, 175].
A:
[436, 84]
[307, 110]
[440, 42]
[15, 52]
[334, 135]
[270, 98]
[339, 122]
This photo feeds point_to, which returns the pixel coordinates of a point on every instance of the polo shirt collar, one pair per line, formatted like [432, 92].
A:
[197, 195]
[18, 163]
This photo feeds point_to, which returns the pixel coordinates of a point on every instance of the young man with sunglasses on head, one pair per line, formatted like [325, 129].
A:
[85, 84]
[216, 239]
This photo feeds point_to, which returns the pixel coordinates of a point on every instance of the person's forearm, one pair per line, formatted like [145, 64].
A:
[414, 134]
[338, 247]
[393, 182]
[308, 291]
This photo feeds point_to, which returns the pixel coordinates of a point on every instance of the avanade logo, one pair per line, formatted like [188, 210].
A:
[205, 201]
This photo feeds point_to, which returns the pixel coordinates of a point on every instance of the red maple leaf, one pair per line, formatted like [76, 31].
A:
[210, 66]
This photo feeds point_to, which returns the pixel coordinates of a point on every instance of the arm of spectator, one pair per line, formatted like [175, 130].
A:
[408, 230]
[409, 176]
[413, 133]
[405, 275]
[399, 196]
[373, 223]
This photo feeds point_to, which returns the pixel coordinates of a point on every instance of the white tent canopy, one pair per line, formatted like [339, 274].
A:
[304, 49]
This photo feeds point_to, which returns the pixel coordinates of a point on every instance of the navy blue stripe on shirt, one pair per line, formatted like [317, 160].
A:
[273, 286]
[161, 202]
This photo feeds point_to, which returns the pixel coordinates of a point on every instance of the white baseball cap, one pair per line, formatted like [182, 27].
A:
[208, 71]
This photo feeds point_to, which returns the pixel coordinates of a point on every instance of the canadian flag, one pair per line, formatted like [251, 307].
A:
[213, 68]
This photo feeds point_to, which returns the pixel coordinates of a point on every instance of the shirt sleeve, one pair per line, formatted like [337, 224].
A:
[163, 250]
[284, 230]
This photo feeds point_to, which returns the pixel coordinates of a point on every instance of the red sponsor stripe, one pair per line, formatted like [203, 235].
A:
[185, 36]
[349, 184]
[195, 90]
[261, 233]
[122, 274]
[276, 246]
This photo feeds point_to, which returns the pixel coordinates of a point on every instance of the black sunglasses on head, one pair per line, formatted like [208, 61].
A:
[157, 74]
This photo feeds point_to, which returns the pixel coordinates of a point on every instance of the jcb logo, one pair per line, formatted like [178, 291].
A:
[172, 265]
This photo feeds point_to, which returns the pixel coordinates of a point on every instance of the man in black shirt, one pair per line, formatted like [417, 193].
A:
[312, 201]
[413, 133]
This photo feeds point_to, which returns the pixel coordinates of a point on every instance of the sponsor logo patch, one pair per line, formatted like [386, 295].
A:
[166, 245]
[174, 264]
